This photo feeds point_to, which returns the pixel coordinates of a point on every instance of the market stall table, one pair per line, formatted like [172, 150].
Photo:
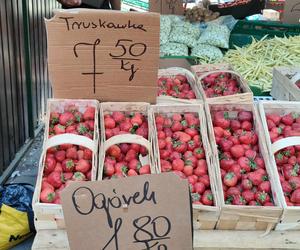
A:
[205, 239]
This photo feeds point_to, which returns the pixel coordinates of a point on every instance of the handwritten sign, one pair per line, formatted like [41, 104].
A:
[141, 212]
[291, 12]
[105, 55]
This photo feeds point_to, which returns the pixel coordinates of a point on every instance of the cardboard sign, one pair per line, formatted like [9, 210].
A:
[135, 213]
[104, 55]
[173, 7]
[291, 12]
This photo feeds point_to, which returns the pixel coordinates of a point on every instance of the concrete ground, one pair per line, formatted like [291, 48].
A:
[26, 172]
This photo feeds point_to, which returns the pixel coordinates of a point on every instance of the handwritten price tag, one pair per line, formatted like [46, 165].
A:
[105, 55]
[143, 212]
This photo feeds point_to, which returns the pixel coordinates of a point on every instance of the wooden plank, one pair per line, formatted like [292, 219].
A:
[205, 239]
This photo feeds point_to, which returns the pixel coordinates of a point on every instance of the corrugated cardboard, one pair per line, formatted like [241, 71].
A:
[291, 12]
[173, 7]
[84, 42]
[158, 213]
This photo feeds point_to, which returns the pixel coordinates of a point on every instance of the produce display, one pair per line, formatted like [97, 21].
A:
[220, 84]
[72, 121]
[199, 14]
[182, 38]
[287, 159]
[181, 151]
[64, 164]
[242, 168]
[255, 62]
[177, 87]
[123, 160]
[117, 123]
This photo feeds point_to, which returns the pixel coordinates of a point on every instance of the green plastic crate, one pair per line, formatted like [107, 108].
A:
[244, 30]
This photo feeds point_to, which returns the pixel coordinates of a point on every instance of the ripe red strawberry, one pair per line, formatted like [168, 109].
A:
[109, 169]
[262, 197]
[71, 153]
[83, 166]
[50, 164]
[66, 119]
[82, 128]
[78, 116]
[46, 185]
[67, 176]
[68, 165]
[89, 113]
[109, 123]
[114, 151]
[144, 170]
[295, 197]
[248, 195]
[78, 176]
[288, 119]
[237, 151]
[230, 179]
[207, 198]
[132, 172]
[245, 116]
[55, 179]
[59, 129]
[47, 195]
[54, 118]
[118, 116]
[199, 153]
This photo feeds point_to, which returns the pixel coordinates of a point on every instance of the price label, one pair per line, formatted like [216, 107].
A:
[142, 212]
[105, 55]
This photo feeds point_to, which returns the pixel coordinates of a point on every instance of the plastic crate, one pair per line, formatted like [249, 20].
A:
[244, 30]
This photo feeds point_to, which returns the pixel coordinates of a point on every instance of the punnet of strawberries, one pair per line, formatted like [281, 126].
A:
[124, 160]
[176, 86]
[287, 159]
[117, 123]
[181, 152]
[242, 168]
[64, 164]
[71, 120]
[220, 84]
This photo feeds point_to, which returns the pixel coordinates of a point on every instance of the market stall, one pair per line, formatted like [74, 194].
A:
[183, 148]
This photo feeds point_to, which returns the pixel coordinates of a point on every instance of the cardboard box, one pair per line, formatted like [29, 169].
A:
[291, 14]
[173, 7]
[104, 55]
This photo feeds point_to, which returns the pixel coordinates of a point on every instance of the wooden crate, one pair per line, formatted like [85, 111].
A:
[291, 215]
[204, 217]
[126, 138]
[50, 216]
[284, 84]
[108, 108]
[171, 72]
[203, 240]
[199, 70]
[244, 217]
[245, 97]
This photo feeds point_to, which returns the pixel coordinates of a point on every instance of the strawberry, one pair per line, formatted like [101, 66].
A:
[109, 123]
[144, 170]
[68, 165]
[78, 116]
[54, 118]
[78, 176]
[245, 116]
[89, 113]
[83, 166]
[55, 179]
[67, 176]
[87, 154]
[50, 164]
[207, 198]
[82, 128]
[46, 185]
[295, 197]
[230, 179]
[71, 153]
[66, 119]
[134, 164]
[132, 172]
[47, 195]
[262, 197]
[118, 116]
[114, 151]
[58, 167]
[59, 129]
[288, 119]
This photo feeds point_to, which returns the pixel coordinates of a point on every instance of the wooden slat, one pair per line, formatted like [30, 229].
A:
[205, 239]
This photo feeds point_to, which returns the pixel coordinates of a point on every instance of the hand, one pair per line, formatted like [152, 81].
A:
[70, 3]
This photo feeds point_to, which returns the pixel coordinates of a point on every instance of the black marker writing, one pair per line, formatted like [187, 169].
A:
[101, 202]
[129, 51]
[94, 72]
[72, 24]
[150, 236]
[117, 226]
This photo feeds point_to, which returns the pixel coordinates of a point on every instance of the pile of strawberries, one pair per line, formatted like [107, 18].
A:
[72, 121]
[177, 86]
[63, 164]
[220, 84]
[245, 180]
[118, 123]
[181, 151]
[123, 160]
[287, 159]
